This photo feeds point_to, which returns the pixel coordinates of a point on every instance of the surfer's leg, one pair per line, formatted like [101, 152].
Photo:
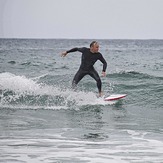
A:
[78, 76]
[93, 73]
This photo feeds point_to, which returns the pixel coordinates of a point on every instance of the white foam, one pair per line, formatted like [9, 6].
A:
[91, 151]
[15, 83]
[22, 86]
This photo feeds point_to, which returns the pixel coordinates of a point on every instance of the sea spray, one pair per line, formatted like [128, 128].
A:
[20, 90]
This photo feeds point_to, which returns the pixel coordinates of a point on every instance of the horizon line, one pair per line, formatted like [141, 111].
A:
[38, 38]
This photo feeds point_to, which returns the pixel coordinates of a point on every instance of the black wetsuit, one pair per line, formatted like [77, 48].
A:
[86, 68]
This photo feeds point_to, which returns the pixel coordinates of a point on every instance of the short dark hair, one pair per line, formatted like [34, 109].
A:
[92, 43]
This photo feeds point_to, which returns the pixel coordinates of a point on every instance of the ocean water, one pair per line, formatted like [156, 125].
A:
[42, 120]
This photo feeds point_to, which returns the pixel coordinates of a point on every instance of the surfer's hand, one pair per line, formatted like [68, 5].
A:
[103, 74]
[63, 54]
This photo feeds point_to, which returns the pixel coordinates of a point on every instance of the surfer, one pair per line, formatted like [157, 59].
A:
[88, 59]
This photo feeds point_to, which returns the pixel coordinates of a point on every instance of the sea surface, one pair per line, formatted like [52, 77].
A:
[42, 120]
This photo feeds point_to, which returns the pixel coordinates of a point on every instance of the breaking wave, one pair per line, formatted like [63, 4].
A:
[30, 93]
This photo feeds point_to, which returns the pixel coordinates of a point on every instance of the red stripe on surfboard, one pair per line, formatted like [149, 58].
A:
[116, 98]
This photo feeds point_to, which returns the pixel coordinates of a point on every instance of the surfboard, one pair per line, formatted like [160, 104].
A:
[114, 97]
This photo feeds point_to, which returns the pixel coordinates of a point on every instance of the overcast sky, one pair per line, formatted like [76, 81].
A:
[98, 19]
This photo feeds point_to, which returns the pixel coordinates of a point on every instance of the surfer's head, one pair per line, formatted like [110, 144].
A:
[94, 46]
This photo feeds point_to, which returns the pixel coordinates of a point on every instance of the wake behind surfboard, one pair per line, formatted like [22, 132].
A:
[114, 97]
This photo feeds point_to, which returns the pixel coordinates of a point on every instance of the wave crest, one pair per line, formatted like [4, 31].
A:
[20, 90]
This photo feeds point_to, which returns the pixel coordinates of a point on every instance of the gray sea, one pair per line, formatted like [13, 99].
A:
[42, 120]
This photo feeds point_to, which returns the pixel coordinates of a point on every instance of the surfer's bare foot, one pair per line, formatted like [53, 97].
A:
[100, 94]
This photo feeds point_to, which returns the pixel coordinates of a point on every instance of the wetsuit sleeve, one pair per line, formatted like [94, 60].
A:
[101, 58]
[76, 49]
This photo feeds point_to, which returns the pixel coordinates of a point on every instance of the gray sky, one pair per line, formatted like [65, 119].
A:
[99, 19]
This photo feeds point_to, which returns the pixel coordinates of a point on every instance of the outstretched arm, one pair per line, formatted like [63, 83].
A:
[71, 50]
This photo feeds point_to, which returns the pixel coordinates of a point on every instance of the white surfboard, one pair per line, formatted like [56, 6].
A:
[114, 97]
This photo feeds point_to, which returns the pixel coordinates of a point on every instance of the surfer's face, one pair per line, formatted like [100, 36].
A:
[95, 47]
